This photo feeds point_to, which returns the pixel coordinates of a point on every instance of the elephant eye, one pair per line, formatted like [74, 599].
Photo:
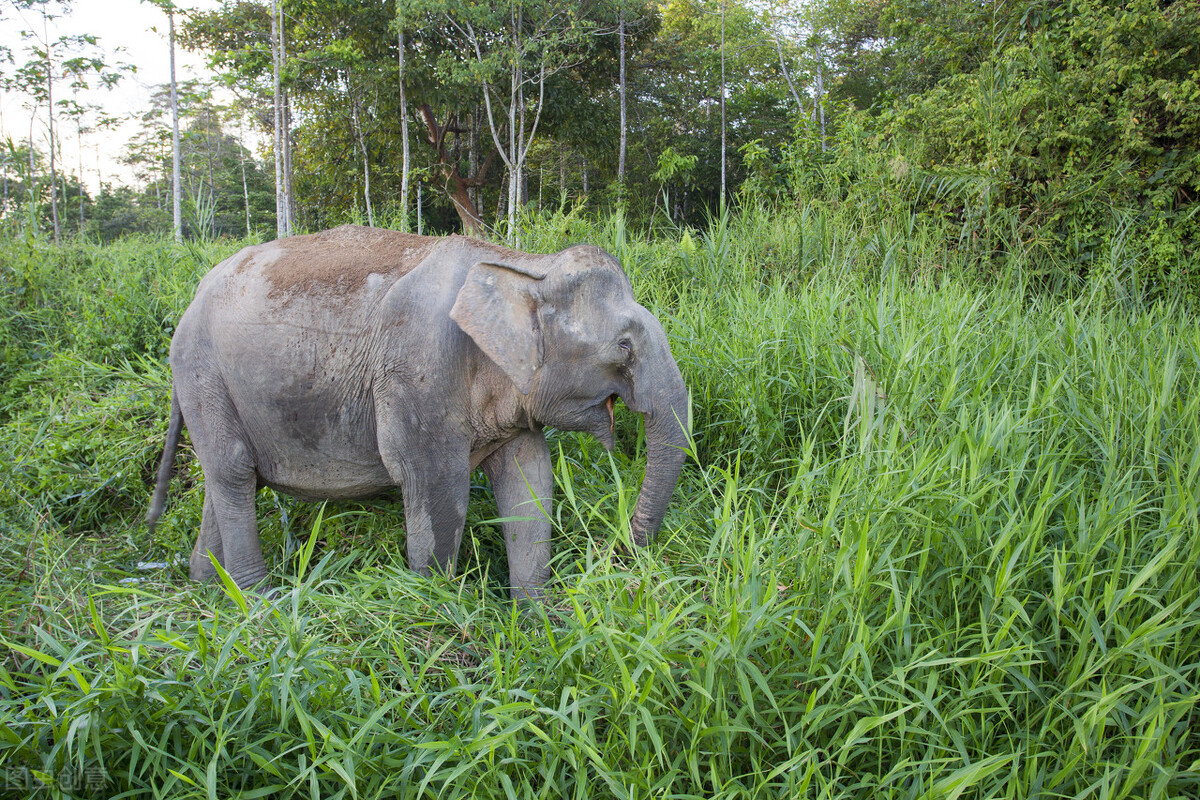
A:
[626, 345]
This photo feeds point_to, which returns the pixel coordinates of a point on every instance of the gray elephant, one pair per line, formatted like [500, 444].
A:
[347, 363]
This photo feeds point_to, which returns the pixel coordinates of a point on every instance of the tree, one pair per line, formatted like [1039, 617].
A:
[225, 191]
[405, 160]
[37, 76]
[677, 79]
[457, 185]
[168, 7]
[283, 200]
[632, 15]
[529, 38]
[78, 59]
[534, 86]
[87, 117]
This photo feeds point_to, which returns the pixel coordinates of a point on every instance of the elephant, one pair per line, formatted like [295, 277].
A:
[349, 363]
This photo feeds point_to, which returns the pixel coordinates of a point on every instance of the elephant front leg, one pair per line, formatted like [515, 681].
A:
[523, 482]
[431, 463]
[435, 489]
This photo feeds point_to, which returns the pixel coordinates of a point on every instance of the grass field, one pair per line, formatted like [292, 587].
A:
[940, 537]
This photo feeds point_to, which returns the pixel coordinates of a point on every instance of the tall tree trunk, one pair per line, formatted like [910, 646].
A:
[404, 154]
[722, 204]
[289, 194]
[66, 202]
[514, 171]
[819, 108]
[356, 120]
[280, 204]
[4, 168]
[289, 189]
[176, 181]
[35, 199]
[79, 146]
[212, 150]
[475, 193]
[242, 164]
[522, 180]
[621, 146]
[50, 120]
[787, 75]
[517, 149]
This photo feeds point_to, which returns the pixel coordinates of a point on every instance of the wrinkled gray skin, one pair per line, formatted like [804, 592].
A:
[350, 362]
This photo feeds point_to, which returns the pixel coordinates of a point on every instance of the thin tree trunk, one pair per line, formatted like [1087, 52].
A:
[522, 180]
[50, 119]
[289, 195]
[362, 146]
[404, 154]
[35, 200]
[475, 193]
[456, 185]
[211, 151]
[722, 105]
[514, 171]
[242, 163]
[621, 147]
[176, 181]
[787, 75]
[819, 108]
[289, 192]
[66, 200]
[79, 145]
[4, 169]
[280, 207]
[518, 145]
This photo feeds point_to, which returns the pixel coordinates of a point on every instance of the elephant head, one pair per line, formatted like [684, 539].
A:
[568, 333]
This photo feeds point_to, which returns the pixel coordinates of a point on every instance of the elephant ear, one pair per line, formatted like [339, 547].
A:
[497, 308]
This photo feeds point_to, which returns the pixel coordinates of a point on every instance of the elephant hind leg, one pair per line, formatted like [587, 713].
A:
[208, 541]
[228, 529]
[232, 506]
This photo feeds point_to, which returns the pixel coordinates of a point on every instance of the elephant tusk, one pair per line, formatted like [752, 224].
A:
[612, 421]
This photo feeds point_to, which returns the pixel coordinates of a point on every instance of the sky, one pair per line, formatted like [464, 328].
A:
[137, 27]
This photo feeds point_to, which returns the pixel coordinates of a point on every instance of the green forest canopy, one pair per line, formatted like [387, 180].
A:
[1044, 126]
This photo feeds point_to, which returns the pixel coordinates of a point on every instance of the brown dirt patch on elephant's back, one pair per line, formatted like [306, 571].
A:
[338, 261]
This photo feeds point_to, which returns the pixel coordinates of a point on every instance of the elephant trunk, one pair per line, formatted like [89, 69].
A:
[663, 401]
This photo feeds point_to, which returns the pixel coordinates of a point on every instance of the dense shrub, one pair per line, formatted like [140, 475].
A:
[1046, 136]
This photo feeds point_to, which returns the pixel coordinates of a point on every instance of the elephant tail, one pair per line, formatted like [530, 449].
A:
[164, 466]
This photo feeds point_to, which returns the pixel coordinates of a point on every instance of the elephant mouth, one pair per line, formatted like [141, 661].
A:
[602, 421]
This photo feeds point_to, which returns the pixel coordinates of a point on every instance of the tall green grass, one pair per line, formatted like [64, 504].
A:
[939, 539]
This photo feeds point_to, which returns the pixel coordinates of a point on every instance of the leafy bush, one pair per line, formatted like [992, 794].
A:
[1043, 137]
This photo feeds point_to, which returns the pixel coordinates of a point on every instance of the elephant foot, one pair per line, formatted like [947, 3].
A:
[200, 567]
[527, 594]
